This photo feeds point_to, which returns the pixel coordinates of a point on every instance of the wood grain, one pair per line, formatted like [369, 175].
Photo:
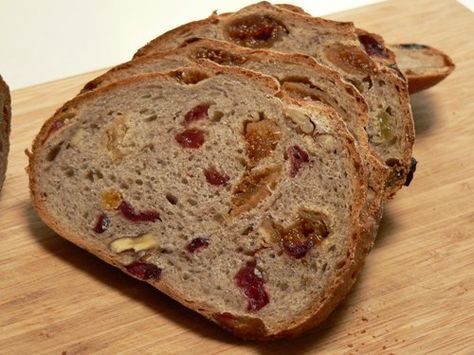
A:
[416, 294]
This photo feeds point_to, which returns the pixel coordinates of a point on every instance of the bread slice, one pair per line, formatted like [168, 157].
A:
[204, 184]
[299, 76]
[335, 44]
[5, 121]
[424, 66]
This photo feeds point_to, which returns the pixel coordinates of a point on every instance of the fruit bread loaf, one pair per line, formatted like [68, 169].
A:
[423, 66]
[205, 184]
[5, 117]
[299, 75]
[335, 44]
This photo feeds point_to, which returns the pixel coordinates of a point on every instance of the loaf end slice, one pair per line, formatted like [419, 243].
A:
[423, 66]
[210, 191]
[5, 123]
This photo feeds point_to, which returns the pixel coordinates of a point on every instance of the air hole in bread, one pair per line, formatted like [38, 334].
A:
[217, 116]
[190, 77]
[69, 172]
[171, 198]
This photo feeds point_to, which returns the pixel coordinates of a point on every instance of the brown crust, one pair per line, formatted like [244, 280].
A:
[249, 327]
[5, 128]
[155, 44]
[428, 76]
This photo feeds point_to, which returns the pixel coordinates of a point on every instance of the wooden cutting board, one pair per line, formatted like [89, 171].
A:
[416, 294]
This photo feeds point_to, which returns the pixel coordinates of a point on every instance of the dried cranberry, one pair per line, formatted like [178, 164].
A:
[144, 271]
[197, 244]
[129, 212]
[298, 157]
[372, 46]
[215, 177]
[190, 138]
[199, 112]
[252, 285]
[103, 222]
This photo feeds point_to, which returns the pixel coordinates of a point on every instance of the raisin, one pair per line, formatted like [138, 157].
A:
[215, 177]
[411, 172]
[197, 244]
[144, 271]
[253, 188]
[253, 286]
[350, 59]
[298, 157]
[190, 138]
[309, 230]
[199, 112]
[102, 223]
[129, 213]
[413, 46]
[372, 46]
[256, 31]
[111, 200]
[262, 138]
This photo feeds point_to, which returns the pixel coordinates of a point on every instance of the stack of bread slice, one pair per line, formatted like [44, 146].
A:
[238, 164]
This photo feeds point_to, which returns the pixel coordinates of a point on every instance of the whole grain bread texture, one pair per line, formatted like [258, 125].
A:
[335, 44]
[423, 66]
[205, 184]
[299, 76]
[5, 122]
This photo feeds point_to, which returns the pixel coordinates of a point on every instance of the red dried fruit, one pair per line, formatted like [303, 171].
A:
[190, 138]
[256, 31]
[199, 112]
[144, 271]
[197, 244]
[252, 285]
[372, 46]
[298, 157]
[215, 177]
[129, 212]
[102, 224]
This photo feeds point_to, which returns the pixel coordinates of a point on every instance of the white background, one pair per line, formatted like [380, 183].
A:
[44, 40]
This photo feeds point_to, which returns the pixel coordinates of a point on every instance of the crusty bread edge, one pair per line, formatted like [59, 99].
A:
[340, 287]
[5, 92]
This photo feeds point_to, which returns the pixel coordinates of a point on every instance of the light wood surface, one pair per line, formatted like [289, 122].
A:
[416, 294]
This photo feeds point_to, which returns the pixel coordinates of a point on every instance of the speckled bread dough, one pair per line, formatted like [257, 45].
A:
[205, 184]
[336, 44]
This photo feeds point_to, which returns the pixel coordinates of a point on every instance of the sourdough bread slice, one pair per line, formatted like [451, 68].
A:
[423, 66]
[335, 44]
[299, 75]
[5, 121]
[204, 184]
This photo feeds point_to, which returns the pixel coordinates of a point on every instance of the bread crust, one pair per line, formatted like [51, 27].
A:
[5, 128]
[250, 327]
[427, 71]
